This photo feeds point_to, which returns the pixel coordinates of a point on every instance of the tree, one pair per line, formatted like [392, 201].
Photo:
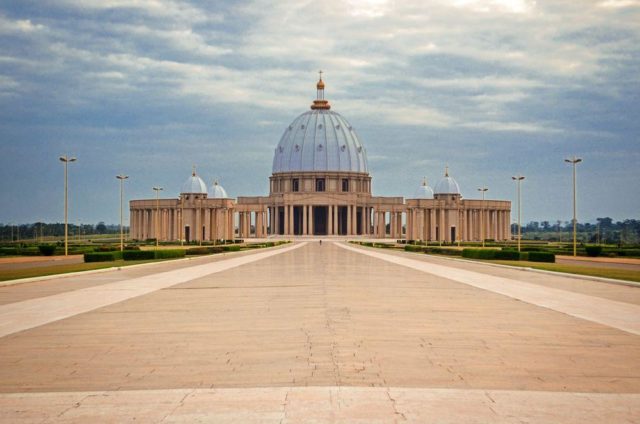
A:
[101, 228]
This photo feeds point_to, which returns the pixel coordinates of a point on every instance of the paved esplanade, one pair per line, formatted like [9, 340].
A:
[326, 333]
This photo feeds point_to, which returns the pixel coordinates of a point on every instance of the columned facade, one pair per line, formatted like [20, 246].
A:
[320, 186]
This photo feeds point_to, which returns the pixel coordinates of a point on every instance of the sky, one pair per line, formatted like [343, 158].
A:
[149, 88]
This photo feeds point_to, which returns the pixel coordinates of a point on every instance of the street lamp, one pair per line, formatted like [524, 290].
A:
[65, 159]
[157, 190]
[518, 178]
[483, 190]
[121, 178]
[574, 161]
[181, 220]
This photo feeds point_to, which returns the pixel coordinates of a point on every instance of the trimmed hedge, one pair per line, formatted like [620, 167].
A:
[231, 248]
[138, 255]
[47, 249]
[508, 255]
[542, 257]
[443, 251]
[204, 250]
[103, 256]
[8, 251]
[169, 253]
[593, 250]
[479, 253]
[411, 248]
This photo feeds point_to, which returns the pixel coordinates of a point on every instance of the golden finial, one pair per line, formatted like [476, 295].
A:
[193, 170]
[320, 85]
[320, 102]
[424, 181]
[446, 171]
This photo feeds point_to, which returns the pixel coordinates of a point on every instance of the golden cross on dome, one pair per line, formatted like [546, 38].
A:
[193, 170]
[446, 171]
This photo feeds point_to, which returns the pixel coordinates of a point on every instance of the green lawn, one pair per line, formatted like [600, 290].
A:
[619, 274]
[66, 268]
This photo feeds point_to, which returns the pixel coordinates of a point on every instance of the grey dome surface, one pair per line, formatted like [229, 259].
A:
[194, 185]
[447, 185]
[320, 140]
[218, 192]
[424, 191]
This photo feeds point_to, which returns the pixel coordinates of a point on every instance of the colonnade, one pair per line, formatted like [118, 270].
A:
[470, 224]
[334, 222]
[171, 223]
[260, 221]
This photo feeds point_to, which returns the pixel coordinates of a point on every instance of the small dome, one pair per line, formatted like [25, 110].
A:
[218, 192]
[424, 191]
[447, 185]
[194, 185]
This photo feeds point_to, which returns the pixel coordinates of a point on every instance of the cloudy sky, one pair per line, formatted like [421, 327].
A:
[151, 87]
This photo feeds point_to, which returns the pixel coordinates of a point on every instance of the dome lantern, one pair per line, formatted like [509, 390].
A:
[320, 102]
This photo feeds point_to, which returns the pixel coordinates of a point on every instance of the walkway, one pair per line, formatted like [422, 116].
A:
[329, 332]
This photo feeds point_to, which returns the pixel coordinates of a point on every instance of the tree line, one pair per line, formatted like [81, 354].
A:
[42, 230]
[604, 230]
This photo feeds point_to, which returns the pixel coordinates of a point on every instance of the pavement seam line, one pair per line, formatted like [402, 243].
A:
[619, 315]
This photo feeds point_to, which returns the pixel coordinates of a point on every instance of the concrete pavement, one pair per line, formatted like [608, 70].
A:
[328, 334]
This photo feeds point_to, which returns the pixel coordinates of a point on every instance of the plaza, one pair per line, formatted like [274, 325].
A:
[328, 332]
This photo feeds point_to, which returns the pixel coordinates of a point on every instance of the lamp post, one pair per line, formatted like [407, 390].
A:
[483, 190]
[574, 161]
[65, 159]
[181, 220]
[121, 178]
[518, 178]
[157, 190]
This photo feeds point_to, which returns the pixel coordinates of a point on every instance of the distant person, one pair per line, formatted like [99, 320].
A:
[320, 242]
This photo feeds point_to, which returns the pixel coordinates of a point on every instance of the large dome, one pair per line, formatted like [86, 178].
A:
[320, 140]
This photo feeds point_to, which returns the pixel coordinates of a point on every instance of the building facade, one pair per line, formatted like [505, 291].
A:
[320, 186]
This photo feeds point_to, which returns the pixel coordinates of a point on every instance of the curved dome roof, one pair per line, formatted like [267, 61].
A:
[320, 140]
[218, 192]
[194, 185]
[447, 185]
[424, 191]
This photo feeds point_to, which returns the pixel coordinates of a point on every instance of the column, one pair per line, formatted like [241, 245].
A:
[305, 210]
[310, 224]
[291, 219]
[335, 220]
[348, 219]
[330, 220]
[286, 219]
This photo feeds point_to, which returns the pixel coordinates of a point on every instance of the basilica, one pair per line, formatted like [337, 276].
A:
[320, 186]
